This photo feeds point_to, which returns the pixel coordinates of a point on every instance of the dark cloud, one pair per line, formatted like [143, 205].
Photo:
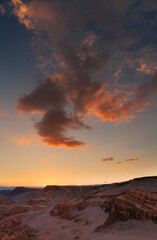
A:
[147, 90]
[49, 93]
[89, 42]
[54, 125]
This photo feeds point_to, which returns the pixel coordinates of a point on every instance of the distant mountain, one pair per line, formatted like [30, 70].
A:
[6, 188]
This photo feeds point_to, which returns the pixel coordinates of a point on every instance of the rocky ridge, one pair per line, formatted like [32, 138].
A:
[133, 204]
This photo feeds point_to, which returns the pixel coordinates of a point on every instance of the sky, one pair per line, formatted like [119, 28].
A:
[78, 95]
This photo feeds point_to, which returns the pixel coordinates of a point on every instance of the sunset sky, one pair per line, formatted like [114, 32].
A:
[78, 91]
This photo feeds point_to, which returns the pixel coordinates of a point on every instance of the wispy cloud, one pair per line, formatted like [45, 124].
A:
[119, 162]
[132, 159]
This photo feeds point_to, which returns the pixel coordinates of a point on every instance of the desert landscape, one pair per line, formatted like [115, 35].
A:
[126, 210]
[78, 119]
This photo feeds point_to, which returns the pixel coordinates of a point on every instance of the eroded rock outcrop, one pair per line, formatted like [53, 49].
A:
[38, 204]
[13, 211]
[132, 204]
[4, 201]
[66, 210]
[11, 229]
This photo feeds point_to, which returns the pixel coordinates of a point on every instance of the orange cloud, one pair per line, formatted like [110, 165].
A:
[26, 139]
[30, 13]
[3, 114]
[22, 12]
[146, 68]
[119, 162]
[123, 169]
[63, 142]
[2, 9]
[119, 106]
[132, 159]
[122, 105]
[37, 112]
[107, 159]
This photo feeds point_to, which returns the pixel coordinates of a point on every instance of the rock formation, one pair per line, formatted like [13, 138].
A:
[66, 210]
[132, 204]
[12, 229]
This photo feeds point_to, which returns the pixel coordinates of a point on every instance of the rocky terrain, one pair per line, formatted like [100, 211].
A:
[11, 226]
[125, 210]
[133, 204]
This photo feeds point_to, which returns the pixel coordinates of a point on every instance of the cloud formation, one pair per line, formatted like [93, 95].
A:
[2, 9]
[132, 159]
[24, 140]
[3, 114]
[107, 159]
[89, 56]
[54, 125]
[49, 93]
[119, 162]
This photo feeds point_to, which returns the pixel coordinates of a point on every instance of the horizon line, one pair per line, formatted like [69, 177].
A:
[62, 185]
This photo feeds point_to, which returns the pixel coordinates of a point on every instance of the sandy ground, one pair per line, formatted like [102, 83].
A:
[55, 228]
[88, 219]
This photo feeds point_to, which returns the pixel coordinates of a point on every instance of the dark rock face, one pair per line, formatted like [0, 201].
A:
[109, 202]
[132, 204]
